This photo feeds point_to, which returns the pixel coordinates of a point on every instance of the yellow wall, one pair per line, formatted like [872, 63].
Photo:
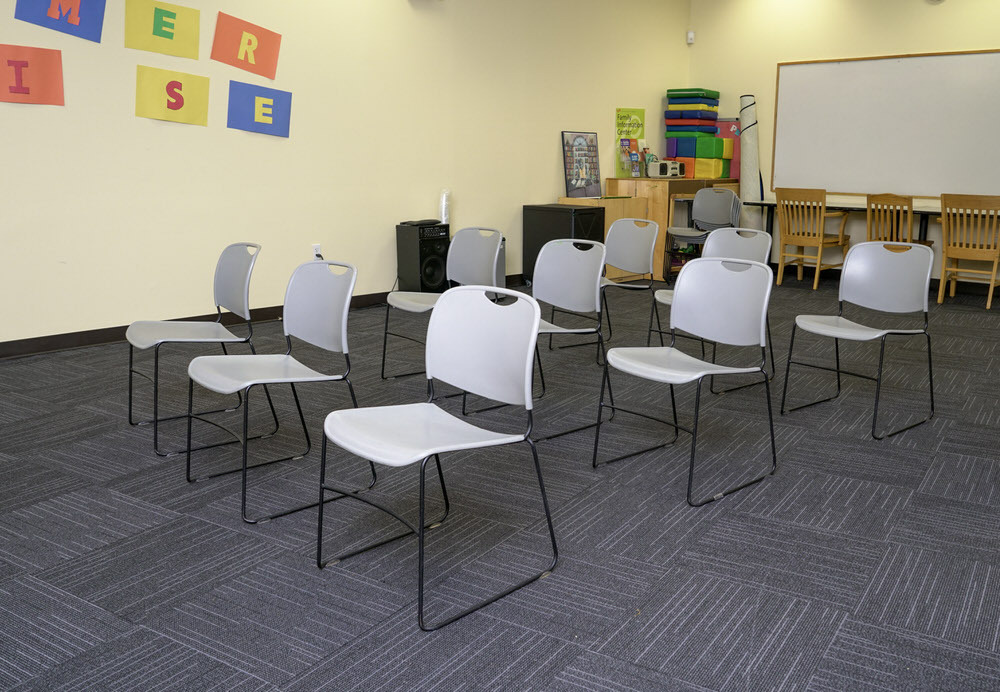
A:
[108, 218]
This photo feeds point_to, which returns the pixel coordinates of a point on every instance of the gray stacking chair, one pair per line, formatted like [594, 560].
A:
[479, 346]
[735, 243]
[316, 308]
[712, 208]
[472, 260]
[232, 293]
[888, 277]
[716, 299]
[631, 245]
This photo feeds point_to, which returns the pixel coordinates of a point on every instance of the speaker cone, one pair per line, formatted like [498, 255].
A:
[432, 271]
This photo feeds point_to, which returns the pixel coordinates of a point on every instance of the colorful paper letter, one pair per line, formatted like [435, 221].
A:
[259, 109]
[81, 18]
[246, 46]
[31, 75]
[175, 96]
[160, 27]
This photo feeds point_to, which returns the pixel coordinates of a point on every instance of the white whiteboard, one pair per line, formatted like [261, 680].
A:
[911, 125]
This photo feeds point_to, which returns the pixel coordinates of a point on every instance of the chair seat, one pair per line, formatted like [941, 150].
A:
[605, 282]
[231, 374]
[407, 433]
[688, 234]
[667, 364]
[152, 332]
[664, 296]
[549, 328]
[413, 301]
[840, 328]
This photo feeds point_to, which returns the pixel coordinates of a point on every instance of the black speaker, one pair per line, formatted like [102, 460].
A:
[421, 256]
[545, 222]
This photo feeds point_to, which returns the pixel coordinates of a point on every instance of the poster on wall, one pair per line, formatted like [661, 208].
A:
[175, 96]
[82, 18]
[581, 163]
[160, 27]
[31, 75]
[258, 109]
[246, 46]
[630, 127]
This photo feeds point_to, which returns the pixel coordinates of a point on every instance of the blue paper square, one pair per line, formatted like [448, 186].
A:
[259, 109]
[81, 18]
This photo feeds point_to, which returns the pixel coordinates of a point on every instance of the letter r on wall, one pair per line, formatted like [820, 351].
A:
[248, 44]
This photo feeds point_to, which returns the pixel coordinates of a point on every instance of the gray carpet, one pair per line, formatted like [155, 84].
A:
[859, 565]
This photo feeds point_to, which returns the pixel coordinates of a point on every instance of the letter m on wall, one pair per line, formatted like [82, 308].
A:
[80, 18]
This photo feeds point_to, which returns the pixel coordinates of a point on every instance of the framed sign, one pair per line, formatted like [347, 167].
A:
[581, 164]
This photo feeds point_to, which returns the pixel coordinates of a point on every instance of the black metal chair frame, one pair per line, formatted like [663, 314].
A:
[877, 378]
[155, 380]
[693, 431]
[244, 439]
[422, 526]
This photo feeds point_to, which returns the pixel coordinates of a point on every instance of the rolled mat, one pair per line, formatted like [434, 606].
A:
[692, 92]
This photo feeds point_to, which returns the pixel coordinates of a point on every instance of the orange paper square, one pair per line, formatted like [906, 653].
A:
[31, 75]
[246, 46]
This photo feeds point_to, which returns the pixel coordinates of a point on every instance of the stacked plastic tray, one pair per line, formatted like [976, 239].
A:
[692, 133]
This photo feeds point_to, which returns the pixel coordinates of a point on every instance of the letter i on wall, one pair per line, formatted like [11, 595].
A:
[246, 46]
[80, 18]
[31, 75]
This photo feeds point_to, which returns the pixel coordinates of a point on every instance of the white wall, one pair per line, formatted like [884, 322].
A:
[109, 218]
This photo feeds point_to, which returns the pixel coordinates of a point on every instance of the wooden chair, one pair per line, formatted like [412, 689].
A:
[802, 219]
[970, 227]
[890, 219]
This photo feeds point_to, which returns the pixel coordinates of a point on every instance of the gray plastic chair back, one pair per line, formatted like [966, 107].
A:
[715, 207]
[484, 347]
[472, 256]
[568, 274]
[317, 302]
[891, 277]
[630, 245]
[232, 277]
[722, 300]
[738, 243]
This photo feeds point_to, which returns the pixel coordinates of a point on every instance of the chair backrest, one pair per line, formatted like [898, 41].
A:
[891, 277]
[738, 243]
[472, 256]
[232, 277]
[722, 300]
[970, 223]
[890, 217]
[800, 213]
[317, 302]
[483, 347]
[630, 244]
[568, 274]
[715, 207]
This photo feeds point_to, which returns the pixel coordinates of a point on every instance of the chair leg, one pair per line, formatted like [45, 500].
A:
[819, 266]
[600, 411]
[385, 338]
[694, 442]
[781, 265]
[541, 374]
[421, 552]
[801, 263]
[607, 311]
[993, 283]
[943, 279]
[788, 365]
[878, 388]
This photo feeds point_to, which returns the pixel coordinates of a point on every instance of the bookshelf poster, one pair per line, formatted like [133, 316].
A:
[581, 164]
[630, 127]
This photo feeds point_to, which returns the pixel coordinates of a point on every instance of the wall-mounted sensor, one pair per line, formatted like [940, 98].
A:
[690, 38]
[317, 254]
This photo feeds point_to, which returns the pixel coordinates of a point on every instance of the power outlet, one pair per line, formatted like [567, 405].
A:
[317, 254]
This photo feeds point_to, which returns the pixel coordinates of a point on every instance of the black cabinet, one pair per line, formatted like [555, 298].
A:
[545, 222]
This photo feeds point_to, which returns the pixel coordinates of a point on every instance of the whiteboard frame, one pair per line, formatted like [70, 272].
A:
[777, 93]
